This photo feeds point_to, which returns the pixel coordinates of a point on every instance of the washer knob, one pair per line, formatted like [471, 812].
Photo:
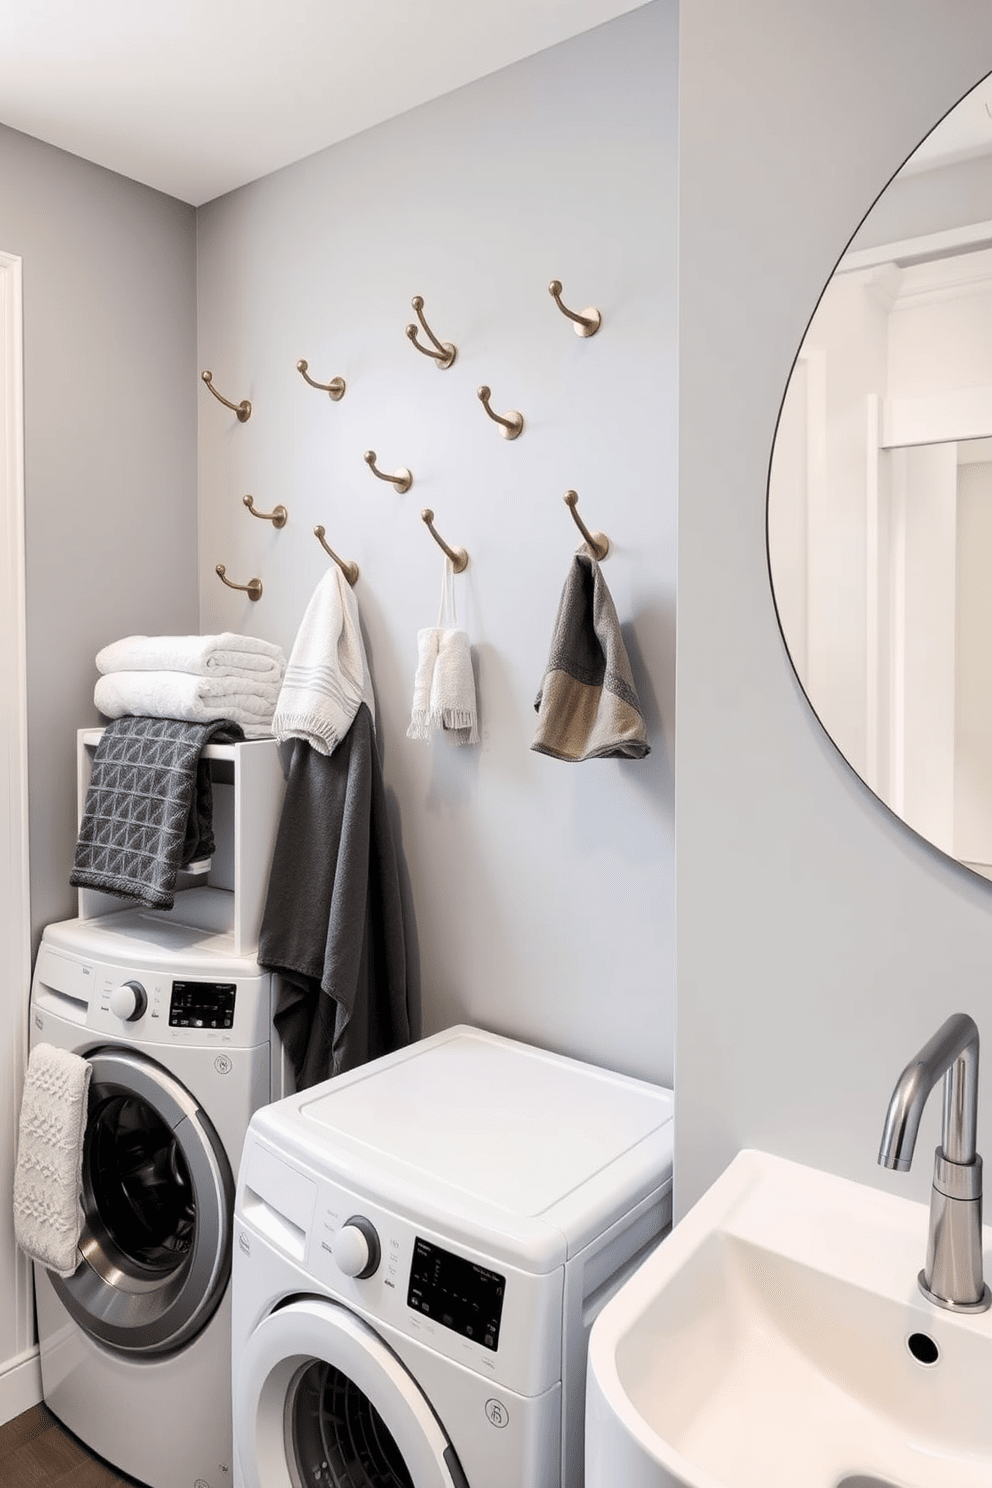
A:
[128, 1001]
[356, 1248]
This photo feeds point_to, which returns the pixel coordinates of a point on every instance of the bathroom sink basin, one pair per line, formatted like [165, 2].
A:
[777, 1339]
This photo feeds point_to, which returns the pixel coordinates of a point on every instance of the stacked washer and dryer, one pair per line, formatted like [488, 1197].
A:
[176, 1019]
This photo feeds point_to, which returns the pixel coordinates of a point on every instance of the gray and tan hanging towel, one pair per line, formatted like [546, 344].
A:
[48, 1214]
[149, 807]
[587, 706]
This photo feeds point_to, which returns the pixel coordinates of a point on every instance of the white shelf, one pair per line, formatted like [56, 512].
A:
[229, 897]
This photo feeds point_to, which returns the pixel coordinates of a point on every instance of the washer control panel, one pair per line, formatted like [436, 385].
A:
[456, 1293]
[202, 1004]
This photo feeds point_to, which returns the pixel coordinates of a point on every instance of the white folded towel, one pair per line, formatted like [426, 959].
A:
[225, 655]
[186, 696]
[48, 1215]
[327, 675]
[444, 687]
[444, 684]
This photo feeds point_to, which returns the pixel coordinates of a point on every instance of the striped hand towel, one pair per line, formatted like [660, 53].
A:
[327, 675]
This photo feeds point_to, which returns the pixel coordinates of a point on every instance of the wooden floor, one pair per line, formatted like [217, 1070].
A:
[36, 1451]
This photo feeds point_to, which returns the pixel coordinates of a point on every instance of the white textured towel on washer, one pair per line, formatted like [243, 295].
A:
[48, 1215]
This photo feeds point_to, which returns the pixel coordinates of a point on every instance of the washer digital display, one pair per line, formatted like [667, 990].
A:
[202, 1005]
[456, 1293]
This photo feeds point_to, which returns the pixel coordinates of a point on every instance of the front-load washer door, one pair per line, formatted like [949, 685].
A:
[158, 1201]
[320, 1401]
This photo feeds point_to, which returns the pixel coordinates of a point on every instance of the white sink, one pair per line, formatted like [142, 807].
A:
[771, 1342]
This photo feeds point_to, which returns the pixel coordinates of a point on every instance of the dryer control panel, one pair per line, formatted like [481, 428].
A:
[457, 1293]
[202, 1004]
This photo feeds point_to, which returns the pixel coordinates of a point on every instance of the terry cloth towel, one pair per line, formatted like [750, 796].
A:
[333, 922]
[444, 684]
[225, 655]
[327, 676]
[149, 808]
[48, 1215]
[183, 695]
[587, 707]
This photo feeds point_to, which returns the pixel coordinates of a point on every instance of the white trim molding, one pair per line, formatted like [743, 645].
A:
[20, 1384]
[18, 1367]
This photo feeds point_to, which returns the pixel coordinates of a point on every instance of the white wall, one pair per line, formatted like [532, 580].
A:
[820, 942]
[110, 462]
[542, 893]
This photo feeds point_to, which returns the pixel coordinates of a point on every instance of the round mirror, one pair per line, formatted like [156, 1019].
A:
[880, 493]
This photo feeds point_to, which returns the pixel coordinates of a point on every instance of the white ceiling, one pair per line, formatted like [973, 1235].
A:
[196, 97]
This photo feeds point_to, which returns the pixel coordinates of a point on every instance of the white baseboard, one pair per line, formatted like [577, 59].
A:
[20, 1384]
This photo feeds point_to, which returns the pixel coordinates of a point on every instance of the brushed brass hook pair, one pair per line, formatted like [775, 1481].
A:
[444, 353]
[278, 517]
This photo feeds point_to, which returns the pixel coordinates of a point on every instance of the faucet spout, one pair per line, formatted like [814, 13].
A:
[952, 1053]
[952, 1276]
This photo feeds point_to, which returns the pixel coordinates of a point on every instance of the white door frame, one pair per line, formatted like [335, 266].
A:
[19, 1376]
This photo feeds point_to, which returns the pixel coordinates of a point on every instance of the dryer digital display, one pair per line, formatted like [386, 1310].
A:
[202, 1005]
[456, 1293]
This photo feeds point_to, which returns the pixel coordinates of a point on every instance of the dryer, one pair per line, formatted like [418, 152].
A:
[135, 1345]
[421, 1247]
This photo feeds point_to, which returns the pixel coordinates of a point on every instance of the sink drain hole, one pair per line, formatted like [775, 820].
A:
[923, 1348]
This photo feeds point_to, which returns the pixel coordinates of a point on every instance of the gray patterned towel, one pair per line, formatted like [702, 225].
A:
[587, 707]
[149, 809]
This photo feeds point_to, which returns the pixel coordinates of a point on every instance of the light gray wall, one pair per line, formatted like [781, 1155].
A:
[820, 942]
[542, 893]
[109, 276]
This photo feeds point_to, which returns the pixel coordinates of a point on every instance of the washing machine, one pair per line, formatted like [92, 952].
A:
[136, 1344]
[421, 1247]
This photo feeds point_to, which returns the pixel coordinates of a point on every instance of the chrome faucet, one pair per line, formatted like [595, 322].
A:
[952, 1276]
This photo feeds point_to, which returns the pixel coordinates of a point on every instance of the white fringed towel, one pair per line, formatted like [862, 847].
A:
[48, 1215]
[444, 685]
[444, 688]
[327, 675]
[185, 696]
[224, 655]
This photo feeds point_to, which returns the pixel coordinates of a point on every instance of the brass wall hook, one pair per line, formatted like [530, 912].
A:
[350, 570]
[402, 480]
[458, 556]
[597, 542]
[445, 353]
[278, 516]
[585, 324]
[510, 423]
[253, 588]
[242, 409]
[334, 389]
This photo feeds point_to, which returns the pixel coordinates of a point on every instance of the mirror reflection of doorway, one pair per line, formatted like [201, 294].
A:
[880, 513]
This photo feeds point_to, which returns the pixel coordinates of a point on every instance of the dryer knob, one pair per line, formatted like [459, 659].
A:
[355, 1247]
[128, 1002]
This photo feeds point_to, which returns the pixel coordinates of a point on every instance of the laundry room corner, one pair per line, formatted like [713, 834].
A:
[105, 433]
